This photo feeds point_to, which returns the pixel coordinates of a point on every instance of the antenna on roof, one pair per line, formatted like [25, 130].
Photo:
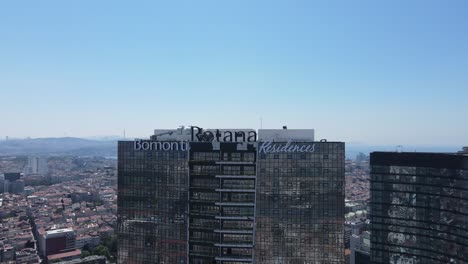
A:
[399, 148]
[181, 129]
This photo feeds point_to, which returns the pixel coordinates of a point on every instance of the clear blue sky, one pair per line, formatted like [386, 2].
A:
[377, 72]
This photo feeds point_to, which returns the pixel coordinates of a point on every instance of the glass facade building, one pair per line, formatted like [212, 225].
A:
[269, 201]
[222, 202]
[419, 208]
[152, 205]
[300, 206]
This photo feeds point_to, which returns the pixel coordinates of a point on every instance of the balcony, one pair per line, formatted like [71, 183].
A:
[236, 176]
[236, 190]
[233, 245]
[235, 259]
[232, 231]
[234, 204]
[234, 217]
[225, 162]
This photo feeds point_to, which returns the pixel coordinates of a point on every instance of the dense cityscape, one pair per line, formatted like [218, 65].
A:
[60, 208]
[63, 209]
[233, 132]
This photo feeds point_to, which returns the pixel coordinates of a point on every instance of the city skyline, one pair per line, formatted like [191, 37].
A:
[377, 73]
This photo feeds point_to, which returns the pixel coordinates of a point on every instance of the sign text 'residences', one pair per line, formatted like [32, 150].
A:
[290, 147]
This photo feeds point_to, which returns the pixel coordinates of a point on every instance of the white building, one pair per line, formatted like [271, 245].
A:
[57, 241]
[37, 165]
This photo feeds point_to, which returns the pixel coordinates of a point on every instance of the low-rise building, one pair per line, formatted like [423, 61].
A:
[57, 241]
[87, 240]
[87, 260]
[360, 248]
[27, 256]
[69, 255]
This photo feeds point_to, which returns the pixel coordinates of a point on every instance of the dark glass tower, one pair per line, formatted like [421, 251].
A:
[152, 205]
[300, 206]
[419, 208]
[206, 199]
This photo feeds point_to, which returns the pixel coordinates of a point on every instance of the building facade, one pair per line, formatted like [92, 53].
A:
[419, 208]
[300, 205]
[231, 197]
[37, 165]
[360, 248]
[57, 241]
[152, 211]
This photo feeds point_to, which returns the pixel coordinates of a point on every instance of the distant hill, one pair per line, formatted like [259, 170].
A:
[59, 146]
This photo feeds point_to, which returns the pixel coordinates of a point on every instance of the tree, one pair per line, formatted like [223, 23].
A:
[86, 247]
[102, 251]
[85, 253]
[111, 244]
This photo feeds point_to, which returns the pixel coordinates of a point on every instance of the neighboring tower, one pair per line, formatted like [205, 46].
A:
[419, 207]
[12, 176]
[37, 165]
[10, 182]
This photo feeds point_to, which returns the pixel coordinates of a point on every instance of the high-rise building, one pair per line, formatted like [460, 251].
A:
[419, 207]
[10, 182]
[12, 176]
[16, 187]
[37, 165]
[229, 197]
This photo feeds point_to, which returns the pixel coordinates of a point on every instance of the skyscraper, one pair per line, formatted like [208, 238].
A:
[300, 200]
[229, 196]
[37, 165]
[419, 207]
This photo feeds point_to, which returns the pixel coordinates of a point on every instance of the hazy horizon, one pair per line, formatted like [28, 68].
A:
[354, 144]
[380, 73]
[107, 147]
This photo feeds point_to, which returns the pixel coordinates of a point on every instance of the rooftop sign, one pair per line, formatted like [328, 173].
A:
[290, 147]
[179, 140]
[139, 144]
[198, 134]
